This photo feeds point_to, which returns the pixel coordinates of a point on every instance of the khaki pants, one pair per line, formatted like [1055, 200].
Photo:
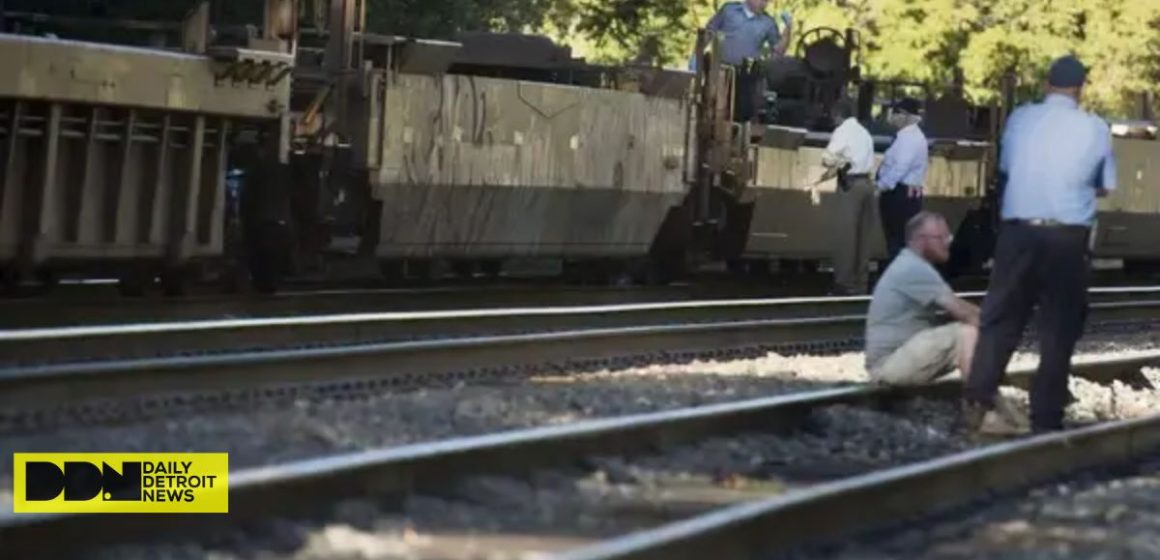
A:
[852, 230]
[927, 356]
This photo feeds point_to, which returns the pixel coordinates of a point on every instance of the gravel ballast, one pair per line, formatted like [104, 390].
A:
[485, 517]
[1093, 516]
[269, 435]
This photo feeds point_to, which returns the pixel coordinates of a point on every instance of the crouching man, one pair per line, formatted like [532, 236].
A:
[906, 342]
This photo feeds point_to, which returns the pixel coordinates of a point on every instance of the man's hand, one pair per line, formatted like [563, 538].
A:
[830, 159]
[961, 310]
[914, 192]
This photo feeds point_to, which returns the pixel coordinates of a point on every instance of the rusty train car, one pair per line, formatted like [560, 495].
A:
[408, 153]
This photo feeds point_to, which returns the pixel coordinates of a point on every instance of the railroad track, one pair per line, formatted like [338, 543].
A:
[723, 518]
[238, 362]
[87, 307]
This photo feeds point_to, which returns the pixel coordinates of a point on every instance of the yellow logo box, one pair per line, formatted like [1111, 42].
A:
[121, 483]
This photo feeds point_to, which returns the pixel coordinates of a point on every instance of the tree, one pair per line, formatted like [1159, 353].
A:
[913, 40]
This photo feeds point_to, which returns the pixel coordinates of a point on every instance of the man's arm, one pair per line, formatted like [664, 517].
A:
[961, 310]
[836, 150]
[783, 39]
[1107, 174]
[893, 166]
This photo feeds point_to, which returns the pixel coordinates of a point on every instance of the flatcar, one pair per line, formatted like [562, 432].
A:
[291, 143]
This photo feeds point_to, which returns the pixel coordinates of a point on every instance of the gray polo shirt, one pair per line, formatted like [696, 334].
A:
[903, 305]
[744, 32]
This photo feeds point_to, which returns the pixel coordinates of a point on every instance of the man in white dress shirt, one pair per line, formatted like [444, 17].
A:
[902, 174]
[851, 152]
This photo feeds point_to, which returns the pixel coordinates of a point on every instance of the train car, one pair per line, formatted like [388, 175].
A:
[115, 156]
[476, 170]
[342, 144]
[1128, 221]
[776, 206]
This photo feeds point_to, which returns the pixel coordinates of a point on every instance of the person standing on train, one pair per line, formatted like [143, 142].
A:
[902, 174]
[1055, 160]
[851, 152]
[746, 28]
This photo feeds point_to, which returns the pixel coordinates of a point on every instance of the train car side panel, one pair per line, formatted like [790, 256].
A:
[1127, 226]
[476, 166]
[111, 154]
[793, 213]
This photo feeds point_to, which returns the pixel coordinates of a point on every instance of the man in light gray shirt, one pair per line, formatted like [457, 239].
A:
[906, 344]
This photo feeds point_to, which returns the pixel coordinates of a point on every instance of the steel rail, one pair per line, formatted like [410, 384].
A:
[147, 340]
[883, 499]
[401, 362]
[302, 486]
[153, 339]
[408, 362]
[74, 308]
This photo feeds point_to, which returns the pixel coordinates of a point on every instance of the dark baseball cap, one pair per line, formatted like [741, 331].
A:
[908, 105]
[1067, 72]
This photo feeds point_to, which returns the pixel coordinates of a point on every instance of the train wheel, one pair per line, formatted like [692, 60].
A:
[174, 281]
[10, 280]
[230, 280]
[268, 254]
[759, 268]
[420, 270]
[787, 267]
[1140, 268]
[134, 281]
[48, 278]
[571, 271]
[491, 268]
[588, 272]
[394, 271]
[665, 268]
[463, 269]
[265, 279]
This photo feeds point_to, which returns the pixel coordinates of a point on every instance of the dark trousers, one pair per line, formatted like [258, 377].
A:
[745, 92]
[895, 208]
[1034, 265]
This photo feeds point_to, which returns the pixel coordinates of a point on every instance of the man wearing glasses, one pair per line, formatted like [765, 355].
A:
[906, 343]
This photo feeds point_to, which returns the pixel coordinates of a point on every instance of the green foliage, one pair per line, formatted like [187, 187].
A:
[911, 40]
[924, 40]
[442, 18]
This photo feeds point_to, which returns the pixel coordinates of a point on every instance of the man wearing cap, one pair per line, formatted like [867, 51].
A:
[746, 28]
[1055, 160]
[902, 174]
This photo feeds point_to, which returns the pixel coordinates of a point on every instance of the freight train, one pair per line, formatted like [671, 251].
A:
[274, 148]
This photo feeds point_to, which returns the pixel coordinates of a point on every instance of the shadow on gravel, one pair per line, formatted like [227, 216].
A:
[274, 432]
[600, 496]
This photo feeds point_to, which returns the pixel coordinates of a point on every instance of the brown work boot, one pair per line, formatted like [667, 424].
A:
[982, 424]
[1011, 414]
